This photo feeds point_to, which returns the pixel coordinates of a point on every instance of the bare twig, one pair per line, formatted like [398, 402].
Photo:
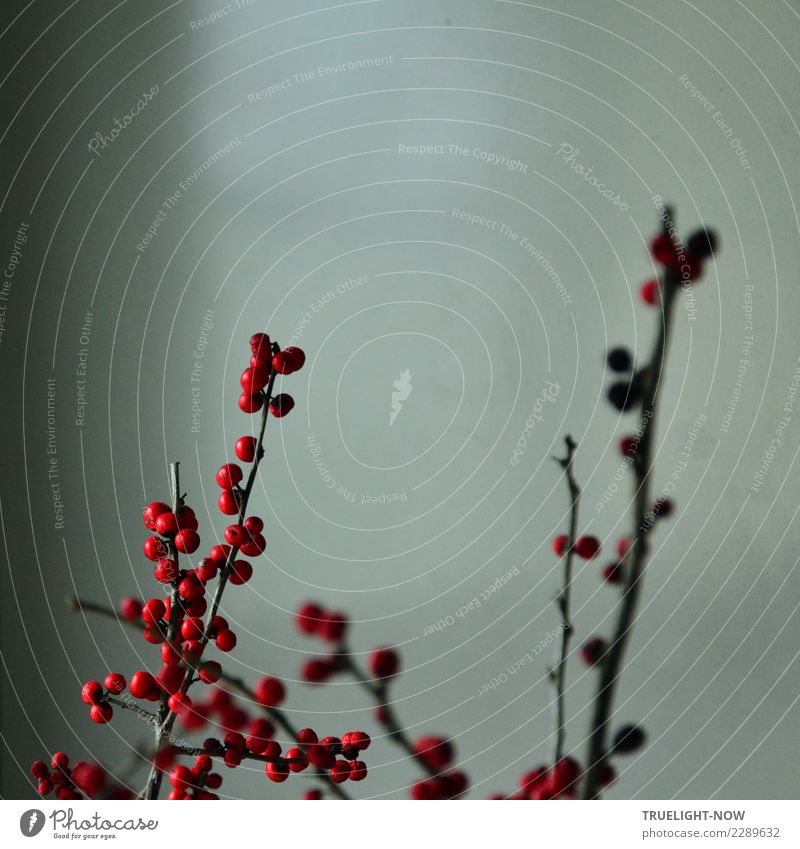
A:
[559, 673]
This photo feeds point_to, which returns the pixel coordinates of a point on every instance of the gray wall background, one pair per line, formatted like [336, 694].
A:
[317, 192]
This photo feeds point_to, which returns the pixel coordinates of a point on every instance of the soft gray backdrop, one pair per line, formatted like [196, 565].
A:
[402, 524]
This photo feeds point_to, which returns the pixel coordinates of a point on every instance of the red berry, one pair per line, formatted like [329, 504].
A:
[587, 547]
[623, 544]
[169, 654]
[299, 760]
[282, 362]
[269, 691]
[130, 609]
[593, 650]
[340, 772]
[650, 292]
[613, 573]
[142, 684]
[167, 523]
[281, 405]
[219, 553]
[191, 652]
[358, 771]
[225, 640]
[209, 672]
[316, 671]
[260, 344]
[308, 618]
[333, 627]
[253, 546]
[663, 249]
[180, 776]
[187, 541]
[166, 570]
[565, 775]
[297, 358]
[531, 779]
[434, 752]
[254, 379]
[254, 525]
[312, 794]
[246, 448]
[45, 787]
[241, 572]
[384, 663]
[277, 772]
[359, 739]
[191, 588]
[155, 548]
[192, 628]
[60, 761]
[152, 512]
[92, 692]
[236, 535]
[187, 521]
[39, 770]
[663, 507]
[628, 446]
[229, 475]
[180, 702]
[153, 612]
[251, 403]
[207, 570]
[115, 683]
[561, 545]
[101, 713]
[228, 503]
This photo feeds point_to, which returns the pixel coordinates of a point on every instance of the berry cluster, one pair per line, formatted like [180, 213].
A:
[83, 779]
[185, 620]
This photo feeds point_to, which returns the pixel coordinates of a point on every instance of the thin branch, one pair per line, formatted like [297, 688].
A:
[559, 673]
[639, 546]
[282, 720]
[379, 691]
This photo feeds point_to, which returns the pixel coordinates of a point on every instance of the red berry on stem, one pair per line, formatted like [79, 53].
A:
[241, 572]
[277, 772]
[384, 663]
[628, 446]
[297, 357]
[435, 752]
[650, 292]
[269, 691]
[142, 684]
[92, 692]
[60, 761]
[166, 570]
[333, 627]
[228, 503]
[245, 448]
[613, 573]
[298, 758]
[587, 547]
[155, 548]
[254, 525]
[251, 403]
[209, 672]
[316, 670]
[39, 769]
[130, 609]
[560, 545]
[260, 344]
[236, 535]
[192, 628]
[358, 771]
[219, 553]
[152, 512]
[153, 612]
[281, 405]
[167, 523]
[187, 541]
[593, 650]
[225, 640]
[254, 379]
[115, 683]
[101, 713]
[308, 618]
[282, 362]
[663, 507]
[253, 546]
[340, 772]
[179, 702]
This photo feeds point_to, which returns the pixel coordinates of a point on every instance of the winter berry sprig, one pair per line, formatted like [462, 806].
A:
[184, 624]
[435, 755]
